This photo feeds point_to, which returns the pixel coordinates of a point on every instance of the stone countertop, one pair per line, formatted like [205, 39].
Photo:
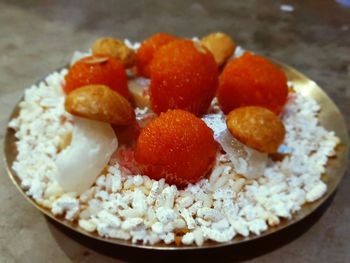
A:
[39, 36]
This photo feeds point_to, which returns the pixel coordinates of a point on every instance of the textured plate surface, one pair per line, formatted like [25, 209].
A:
[330, 117]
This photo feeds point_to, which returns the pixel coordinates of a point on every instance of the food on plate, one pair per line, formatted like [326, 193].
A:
[246, 161]
[147, 50]
[184, 75]
[125, 156]
[65, 140]
[80, 163]
[256, 127]
[173, 161]
[100, 103]
[252, 80]
[127, 134]
[176, 146]
[139, 90]
[97, 70]
[115, 48]
[220, 45]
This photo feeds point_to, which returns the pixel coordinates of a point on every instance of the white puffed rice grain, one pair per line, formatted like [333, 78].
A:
[87, 225]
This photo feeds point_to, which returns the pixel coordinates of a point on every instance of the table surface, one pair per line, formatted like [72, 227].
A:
[39, 36]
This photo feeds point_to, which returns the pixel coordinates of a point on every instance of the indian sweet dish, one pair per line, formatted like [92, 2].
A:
[184, 75]
[147, 50]
[252, 80]
[172, 140]
[176, 146]
[97, 69]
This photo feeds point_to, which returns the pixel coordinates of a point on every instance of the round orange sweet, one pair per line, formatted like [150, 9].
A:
[252, 80]
[177, 146]
[147, 49]
[184, 75]
[97, 69]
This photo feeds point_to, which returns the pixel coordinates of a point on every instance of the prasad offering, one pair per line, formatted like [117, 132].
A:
[171, 141]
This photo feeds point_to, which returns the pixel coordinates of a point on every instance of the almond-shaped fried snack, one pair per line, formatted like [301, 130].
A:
[256, 127]
[99, 102]
[115, 48]
[220, 45]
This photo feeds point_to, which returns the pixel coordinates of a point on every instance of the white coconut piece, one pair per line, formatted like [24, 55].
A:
[92, 146]
[246, 161]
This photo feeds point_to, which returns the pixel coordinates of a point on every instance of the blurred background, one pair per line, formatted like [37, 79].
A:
[38, 37]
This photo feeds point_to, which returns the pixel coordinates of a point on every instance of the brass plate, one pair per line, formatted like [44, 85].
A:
[330, 117]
